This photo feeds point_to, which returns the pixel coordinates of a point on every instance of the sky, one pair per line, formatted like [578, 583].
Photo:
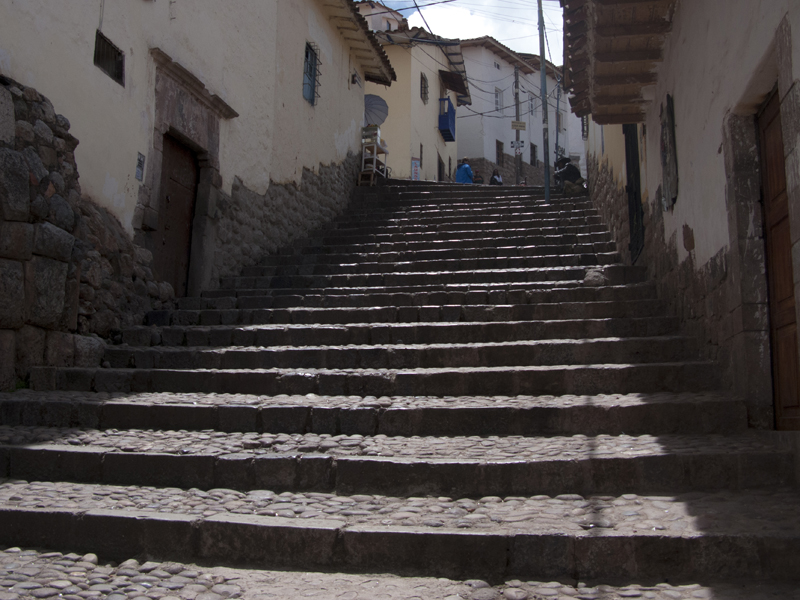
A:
[512, 22]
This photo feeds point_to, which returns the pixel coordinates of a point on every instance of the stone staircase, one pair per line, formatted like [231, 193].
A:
[448, 381]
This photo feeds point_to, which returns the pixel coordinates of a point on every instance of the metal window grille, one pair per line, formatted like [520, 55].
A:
[311, 73]
[498, 100]
[109, 58]
[423, 88]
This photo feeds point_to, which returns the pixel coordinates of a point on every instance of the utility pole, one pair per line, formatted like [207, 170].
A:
[558, 108]
[545, 107]
[517, 152]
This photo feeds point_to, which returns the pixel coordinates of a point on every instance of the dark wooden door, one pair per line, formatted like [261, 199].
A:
[783, 322]
[175, 214]
[634, 190]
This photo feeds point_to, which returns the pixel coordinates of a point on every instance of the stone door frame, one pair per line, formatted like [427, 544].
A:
[749, 354]
[186, 110]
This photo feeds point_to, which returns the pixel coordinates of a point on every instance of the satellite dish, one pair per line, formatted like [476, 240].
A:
[375, 109]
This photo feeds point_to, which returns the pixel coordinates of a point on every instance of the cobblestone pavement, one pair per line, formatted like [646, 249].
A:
[28, 574]
[769, 512]
[211, 399]
[216, 443]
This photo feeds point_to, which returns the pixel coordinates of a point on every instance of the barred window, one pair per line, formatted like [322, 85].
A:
[311, 74]
[423, 88]
[109, 58]
[498, 101]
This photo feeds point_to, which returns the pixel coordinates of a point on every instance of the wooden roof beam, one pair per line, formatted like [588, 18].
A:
[626, 79]
[617, 100]
[629, 56]
[650, 28]
[618, 118]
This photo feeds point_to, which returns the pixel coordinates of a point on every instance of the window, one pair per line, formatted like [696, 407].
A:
[534, 155]
[499, 153]
[311, 74]
[423, 87]
[498, 100]
[109, 58]
[532, 104]
[560, 121]
[449, 167]
[420, 156]
[388, 25]
[497, 66]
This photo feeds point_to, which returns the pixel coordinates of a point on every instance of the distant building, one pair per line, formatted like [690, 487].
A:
[431, 83]
[485, 127]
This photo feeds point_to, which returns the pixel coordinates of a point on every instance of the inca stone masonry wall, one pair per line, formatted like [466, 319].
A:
[69, 274]
[251, 226]
[713, 302]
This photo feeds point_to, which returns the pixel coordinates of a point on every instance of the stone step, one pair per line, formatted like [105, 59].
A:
[353, 264]
[612, 274]
[527, 293]
[464, 230]
[357, 309]
[317, 254]
[410, 356]
[397, 333]
[457, 467]
[177, 579]
[508, 381]
[509, 204]
[632, 414]
[451, 218]
[682, 550]
[462, 239]
[491, 244]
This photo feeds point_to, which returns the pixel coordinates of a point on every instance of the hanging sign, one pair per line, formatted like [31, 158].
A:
[415, 174]
[518, 125]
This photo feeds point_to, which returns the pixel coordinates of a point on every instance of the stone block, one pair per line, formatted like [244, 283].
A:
[37, 168]
[45, 283]
[89, 351]
[269, 541]
[8, 376]
[14, 186]
[7, 119]
[61, 214]
[24, 131]
[30, 349]
[52, 242]
[12, 294]
[16, 240]
[59, 349]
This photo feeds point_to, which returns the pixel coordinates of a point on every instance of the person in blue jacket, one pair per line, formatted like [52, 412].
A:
[464, 172]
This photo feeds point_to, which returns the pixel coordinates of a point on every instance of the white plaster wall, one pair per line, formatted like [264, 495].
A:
[307, 135]
[478, 134]
[249, 53]
[711, 59]
[411, 122]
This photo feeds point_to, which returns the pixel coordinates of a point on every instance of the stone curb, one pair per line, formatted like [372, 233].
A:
[397, 476]
[274, 542]
[715, 416]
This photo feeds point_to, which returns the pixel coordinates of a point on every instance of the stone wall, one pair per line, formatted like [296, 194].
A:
[714, 302]
[486, 167]
[69, 274]
[251, 226]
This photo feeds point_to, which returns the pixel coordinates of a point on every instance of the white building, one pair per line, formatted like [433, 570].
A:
[253, 94]
[485, 127]
[431, 82]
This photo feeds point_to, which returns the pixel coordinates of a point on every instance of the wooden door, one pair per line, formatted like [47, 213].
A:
[179, 173]
[634, 190]
[783, 322]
